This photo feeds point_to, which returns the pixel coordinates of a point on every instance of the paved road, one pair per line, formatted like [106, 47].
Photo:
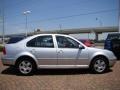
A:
[72, 79]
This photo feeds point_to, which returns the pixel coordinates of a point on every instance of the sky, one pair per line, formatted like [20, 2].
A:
[51, 14]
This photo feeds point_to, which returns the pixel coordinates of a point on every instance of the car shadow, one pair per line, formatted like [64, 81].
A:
[13, 71]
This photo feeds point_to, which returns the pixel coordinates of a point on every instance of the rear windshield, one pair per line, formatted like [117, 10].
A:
[15, 39]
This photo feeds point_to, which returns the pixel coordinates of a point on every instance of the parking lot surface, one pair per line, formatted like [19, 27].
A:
[69, 79]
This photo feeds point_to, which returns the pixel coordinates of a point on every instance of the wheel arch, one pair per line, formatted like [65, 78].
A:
[26, 55]
[107, 60]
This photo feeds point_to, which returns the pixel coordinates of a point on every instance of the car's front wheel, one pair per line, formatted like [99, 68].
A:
[99, 65]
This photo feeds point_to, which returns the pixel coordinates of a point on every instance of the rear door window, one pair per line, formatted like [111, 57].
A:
[41, 41]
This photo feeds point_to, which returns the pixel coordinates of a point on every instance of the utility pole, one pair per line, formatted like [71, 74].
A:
[118, 15]
[100, 22]
[3, 20]
[60, 26]
[88, 35]
[26, 13]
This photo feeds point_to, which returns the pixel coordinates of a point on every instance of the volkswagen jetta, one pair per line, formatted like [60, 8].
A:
[55, 51]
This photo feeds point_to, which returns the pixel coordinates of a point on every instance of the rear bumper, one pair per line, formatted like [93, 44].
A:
[8, 61]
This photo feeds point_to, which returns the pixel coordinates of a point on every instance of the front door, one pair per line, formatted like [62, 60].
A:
[68, 52]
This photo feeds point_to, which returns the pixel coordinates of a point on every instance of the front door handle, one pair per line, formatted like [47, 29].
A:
[60, 51]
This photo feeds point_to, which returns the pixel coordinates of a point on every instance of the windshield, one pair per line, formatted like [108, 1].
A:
[113, 36]
[15, 39]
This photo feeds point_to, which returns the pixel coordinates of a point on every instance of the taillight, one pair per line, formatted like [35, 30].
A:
[4, 50]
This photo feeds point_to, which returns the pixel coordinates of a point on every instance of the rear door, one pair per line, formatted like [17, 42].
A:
[43, 48]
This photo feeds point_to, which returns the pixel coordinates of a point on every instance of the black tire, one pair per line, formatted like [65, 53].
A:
[26, 66]
[99, 65]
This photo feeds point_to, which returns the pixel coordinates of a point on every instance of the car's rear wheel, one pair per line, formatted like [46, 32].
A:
[99, 65]
[26, 67]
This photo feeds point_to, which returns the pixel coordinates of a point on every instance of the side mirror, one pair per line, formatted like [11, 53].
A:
[81, 47]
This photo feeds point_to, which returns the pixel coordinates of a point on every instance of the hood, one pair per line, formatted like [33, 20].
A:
[96, 51]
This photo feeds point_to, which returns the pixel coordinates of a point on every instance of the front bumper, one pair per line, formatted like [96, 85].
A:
[112, 62]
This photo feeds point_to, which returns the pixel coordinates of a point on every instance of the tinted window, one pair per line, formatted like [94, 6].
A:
[65, 42]
[41, 41]
[113, 36]
[32, 43]
[15, 39]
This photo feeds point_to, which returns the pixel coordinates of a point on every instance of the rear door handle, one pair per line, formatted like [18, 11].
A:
[32, 51]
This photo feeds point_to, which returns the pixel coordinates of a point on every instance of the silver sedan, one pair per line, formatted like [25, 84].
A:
[55, 51]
